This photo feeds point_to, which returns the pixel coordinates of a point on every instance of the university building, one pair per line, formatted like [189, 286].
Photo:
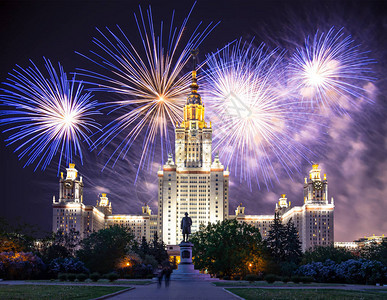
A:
[69, 211]
[314, 220]
[194, 183]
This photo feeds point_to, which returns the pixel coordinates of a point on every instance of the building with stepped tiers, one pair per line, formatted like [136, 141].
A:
[192, 182]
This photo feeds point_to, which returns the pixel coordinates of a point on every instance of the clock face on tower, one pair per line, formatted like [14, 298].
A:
[68, 184]
[317, 185]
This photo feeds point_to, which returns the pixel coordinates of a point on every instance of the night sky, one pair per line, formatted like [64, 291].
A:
[351, 149]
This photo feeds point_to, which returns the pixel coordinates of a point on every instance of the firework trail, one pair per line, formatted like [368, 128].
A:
[330, 71]
[150, 82]
[244, 86]
[46, 115]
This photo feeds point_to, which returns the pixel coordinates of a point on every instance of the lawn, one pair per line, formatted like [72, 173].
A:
[301, 294]
[277, 283]
[57, 292]
[101, 281]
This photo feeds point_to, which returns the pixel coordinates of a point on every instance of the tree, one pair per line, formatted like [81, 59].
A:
[155, 248]
[61, 244]
[158, 249]
[292, 244]
[144, 248]
[16, 238]
[322, 253]
[276, 239]
[375, 251]
[101, 251]
[228, 248]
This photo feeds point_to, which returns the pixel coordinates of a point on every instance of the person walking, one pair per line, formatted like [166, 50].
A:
[168, 272]
[160, 274]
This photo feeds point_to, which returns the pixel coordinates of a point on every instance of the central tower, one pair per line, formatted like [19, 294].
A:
[193, 138]
[193, 183]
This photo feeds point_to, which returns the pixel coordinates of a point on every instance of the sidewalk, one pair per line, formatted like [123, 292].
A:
[177, 290]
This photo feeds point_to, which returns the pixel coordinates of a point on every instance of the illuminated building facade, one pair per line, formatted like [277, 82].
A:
[192, 182]
[314, 220]
[362, 242]
[144, 225]
[69, 212]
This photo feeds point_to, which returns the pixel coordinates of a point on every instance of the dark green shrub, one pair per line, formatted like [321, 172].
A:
[285, 279]
[251, 277]
[306, 279]
[237, 277]
[296, 279]
[112, 276]
[82, 277]
[95, 276]
[270, 278]
[149, 276]
[62, 276]
[71, 276]
[288, 268]
[226, 277]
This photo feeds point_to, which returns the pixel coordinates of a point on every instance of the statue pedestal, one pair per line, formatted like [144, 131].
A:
[186, 269]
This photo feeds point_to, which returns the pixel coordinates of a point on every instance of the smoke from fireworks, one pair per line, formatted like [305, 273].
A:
[46, 115]
[257, 121]
[151, 84]
[330, 71]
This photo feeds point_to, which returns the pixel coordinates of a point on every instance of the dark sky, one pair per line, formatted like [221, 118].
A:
[351, 150]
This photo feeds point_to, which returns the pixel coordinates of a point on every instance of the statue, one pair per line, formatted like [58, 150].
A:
[186, 223]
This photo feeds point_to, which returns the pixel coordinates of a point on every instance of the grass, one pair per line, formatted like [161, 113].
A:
[101, 281]
[42, 292]
[277, 283]
[301, 294]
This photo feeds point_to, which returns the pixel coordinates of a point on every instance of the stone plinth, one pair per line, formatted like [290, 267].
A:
[185, 269]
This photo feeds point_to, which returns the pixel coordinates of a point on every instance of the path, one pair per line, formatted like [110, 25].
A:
[177, 290]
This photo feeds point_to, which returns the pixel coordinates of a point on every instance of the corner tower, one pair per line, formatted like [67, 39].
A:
[192, 182]
[316, 188]
[71, 188]
[318, 213]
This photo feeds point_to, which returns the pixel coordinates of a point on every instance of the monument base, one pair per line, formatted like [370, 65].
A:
[186, 269]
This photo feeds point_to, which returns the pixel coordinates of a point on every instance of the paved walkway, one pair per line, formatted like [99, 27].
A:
[177, 290]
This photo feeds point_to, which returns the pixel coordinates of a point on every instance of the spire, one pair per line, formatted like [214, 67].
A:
[194, 97]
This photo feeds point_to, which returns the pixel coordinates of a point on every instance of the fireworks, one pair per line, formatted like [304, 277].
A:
[330, 71]
[150, 82]
[46, 115]
[254, 131]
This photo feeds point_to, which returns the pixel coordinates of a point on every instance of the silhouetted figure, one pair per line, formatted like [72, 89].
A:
[186, 223]
[167, 273]
[160, 274]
